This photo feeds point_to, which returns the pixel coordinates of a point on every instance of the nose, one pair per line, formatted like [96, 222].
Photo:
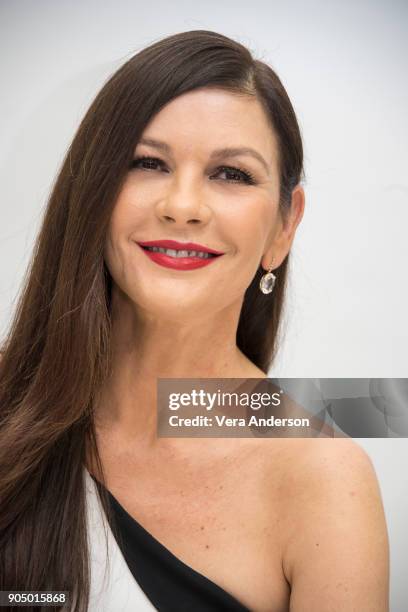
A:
[184, 203]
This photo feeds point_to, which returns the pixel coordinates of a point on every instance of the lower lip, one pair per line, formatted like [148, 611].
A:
[179, 263]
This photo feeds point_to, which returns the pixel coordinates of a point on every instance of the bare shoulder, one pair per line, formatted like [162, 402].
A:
[317, 458]
[336, 545]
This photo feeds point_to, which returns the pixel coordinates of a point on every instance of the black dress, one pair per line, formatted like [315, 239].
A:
[170, 584]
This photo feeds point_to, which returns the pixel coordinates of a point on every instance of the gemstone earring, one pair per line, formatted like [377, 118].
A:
[267, 281]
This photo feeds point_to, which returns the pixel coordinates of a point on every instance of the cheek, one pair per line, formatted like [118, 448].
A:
[129, 210]
[125, 216]
[128, 215]
[252, 224]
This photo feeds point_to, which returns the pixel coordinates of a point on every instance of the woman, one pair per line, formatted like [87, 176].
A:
[192, 141]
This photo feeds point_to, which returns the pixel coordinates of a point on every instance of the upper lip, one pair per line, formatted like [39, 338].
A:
[183, 246]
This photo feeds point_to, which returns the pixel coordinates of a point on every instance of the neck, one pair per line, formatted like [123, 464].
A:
[146, 347]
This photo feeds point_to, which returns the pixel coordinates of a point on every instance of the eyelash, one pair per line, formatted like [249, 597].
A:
[248, 179]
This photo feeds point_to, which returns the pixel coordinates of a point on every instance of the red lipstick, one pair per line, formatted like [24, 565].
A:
[172, 259]
[180, 246]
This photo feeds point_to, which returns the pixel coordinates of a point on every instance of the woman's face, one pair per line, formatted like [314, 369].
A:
[189, 188]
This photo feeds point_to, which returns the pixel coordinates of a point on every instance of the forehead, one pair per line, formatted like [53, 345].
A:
[207, 119]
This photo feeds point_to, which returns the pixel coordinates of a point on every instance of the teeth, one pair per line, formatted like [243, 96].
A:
[175, 253]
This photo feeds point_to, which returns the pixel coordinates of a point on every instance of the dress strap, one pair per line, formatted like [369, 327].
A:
[113, 587]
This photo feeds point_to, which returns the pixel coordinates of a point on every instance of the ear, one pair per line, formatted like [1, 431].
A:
[284, 232]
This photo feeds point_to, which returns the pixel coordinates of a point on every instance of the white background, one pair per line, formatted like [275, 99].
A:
[344, 66]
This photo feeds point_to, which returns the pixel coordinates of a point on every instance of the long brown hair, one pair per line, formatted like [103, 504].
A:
[56, 354]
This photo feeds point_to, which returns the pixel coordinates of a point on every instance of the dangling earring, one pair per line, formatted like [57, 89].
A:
[267, 281]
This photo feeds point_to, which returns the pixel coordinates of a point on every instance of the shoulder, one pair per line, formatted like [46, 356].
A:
[321, 458]
[330, 470]
[336, 544]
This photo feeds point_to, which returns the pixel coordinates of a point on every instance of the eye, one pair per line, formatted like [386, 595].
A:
[233, 175]
[147, 163]
[237, 175]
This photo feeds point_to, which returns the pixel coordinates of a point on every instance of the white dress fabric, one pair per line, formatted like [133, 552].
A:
[113, 587]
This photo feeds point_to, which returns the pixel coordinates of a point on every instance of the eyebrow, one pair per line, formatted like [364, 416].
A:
[217, 153]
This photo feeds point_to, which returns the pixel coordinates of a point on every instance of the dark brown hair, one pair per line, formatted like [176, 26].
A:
[57, 352]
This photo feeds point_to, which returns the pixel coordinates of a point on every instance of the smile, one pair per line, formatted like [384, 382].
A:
[179, 259]
[175, 253]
